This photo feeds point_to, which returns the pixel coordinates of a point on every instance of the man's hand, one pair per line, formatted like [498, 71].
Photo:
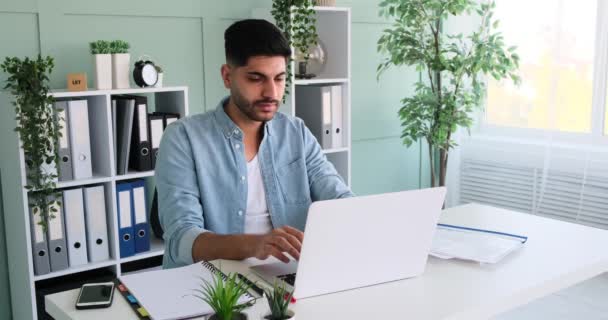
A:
[279, 241]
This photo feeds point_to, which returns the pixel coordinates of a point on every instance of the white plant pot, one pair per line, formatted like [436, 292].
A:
[103, 71]
[326, 3]
[120, 70]
[159, 82]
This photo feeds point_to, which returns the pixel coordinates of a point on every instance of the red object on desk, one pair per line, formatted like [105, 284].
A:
[293, 300]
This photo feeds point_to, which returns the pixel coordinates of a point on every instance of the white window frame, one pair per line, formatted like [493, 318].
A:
[597, 137]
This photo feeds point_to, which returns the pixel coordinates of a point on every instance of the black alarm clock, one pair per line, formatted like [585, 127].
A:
[144, 73]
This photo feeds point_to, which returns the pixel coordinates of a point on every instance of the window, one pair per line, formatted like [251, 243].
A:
[556, 41]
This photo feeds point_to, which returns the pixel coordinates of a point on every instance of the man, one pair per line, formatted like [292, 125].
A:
[237, 182]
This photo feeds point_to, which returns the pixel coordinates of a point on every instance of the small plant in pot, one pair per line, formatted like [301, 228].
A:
[102, 54]
[278, 302]
[120, 64]
[223, 295]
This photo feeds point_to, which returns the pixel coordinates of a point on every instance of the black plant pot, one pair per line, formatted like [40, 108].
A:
[235, 316]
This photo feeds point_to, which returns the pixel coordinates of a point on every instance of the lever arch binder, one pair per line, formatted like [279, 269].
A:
[56, 236]
[156, 128]
[65, 153]
[320, 106]
[73, 207]
[141, 226]
[80, 142]
[140, 158]
[96, 224]
[124, 204]
[40, 247]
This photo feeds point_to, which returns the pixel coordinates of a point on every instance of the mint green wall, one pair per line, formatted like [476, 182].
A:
[5, 298]
[186, 38]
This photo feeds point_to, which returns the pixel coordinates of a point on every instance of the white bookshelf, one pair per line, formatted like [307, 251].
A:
[334, 31]
[24, 283]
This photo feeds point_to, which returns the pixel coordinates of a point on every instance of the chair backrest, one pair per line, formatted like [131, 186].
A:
[157, 229]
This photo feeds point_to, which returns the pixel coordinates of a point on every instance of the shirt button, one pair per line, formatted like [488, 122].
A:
[237, 146]
[240, 213]
[242, 178]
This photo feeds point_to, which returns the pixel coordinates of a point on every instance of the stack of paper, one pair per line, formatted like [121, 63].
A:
[483, 246]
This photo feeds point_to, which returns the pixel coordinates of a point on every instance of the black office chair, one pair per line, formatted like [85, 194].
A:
[154, 219]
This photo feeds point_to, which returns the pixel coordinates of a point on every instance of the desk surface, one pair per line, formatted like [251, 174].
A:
[557, 255]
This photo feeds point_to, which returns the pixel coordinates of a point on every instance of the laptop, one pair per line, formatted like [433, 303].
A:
[361, 241]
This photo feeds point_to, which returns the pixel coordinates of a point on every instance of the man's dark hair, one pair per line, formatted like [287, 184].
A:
[253, 37]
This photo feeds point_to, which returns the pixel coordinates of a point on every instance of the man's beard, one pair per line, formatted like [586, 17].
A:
[248, 108]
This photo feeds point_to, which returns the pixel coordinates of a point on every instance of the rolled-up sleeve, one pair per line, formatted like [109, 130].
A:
[180, 209]
[325, 182]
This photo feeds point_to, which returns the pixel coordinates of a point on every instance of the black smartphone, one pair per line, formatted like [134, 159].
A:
[95, 295]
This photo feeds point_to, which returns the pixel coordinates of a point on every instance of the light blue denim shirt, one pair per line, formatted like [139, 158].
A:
[201, 175]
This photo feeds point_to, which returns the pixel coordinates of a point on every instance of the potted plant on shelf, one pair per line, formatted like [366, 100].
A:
[223, 296]
[120, 64]
[101, 52]
[454, 66]
[38, 129]
[278, 302]
[297, 20]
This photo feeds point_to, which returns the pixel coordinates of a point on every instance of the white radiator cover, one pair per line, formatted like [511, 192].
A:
[575, 186]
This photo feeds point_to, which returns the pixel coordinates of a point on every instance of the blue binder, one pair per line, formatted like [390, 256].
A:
[140, 216]
[124, 210]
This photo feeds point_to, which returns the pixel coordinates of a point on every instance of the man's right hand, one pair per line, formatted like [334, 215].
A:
[278, 242]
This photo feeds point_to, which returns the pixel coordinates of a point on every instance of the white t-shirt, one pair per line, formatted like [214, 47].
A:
[257, 217]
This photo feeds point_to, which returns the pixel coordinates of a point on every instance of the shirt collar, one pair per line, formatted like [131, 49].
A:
[228, 127]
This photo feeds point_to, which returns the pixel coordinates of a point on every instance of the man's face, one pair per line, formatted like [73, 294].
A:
[258, 87]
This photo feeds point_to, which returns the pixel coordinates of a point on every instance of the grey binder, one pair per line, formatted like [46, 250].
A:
[73, 208]
[96, 222]
[40, 248]
[125, 110]
[337, 114]
[80, 140]
[313, 105]
[56, 236]
[65, 155]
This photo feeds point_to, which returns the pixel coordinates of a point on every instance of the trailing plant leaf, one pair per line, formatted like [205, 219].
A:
[297, 20]
[452, 64]
[38, 128]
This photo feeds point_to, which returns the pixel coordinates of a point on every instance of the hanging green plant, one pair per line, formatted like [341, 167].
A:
[38, 128]
[297, 20]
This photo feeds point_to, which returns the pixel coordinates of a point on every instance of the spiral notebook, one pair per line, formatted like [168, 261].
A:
[169, 293]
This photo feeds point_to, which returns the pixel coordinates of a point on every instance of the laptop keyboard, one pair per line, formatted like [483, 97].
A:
[289, 278]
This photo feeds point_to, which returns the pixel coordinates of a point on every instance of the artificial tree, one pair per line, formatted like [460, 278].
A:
[454, 68]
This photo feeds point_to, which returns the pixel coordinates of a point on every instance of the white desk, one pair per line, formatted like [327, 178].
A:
[557, 255]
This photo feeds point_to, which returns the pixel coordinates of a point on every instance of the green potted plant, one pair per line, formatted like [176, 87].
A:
[453, 67]
[297, 20]
[38, 129]
[278, 301]
[223, 295]
[120, 64]
[102, 55]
